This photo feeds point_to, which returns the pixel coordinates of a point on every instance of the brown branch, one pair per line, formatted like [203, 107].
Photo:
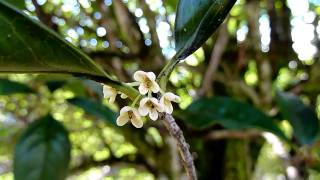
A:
[108, 24]
[247, 90]
[263, 64]
[185, 153]
[216, 55]
[44, 17]
[88, 162]
[228, 134]
[155, 50]
[129, 28]
[107, 55]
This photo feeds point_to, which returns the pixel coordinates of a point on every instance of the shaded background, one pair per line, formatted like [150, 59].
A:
[262, 46]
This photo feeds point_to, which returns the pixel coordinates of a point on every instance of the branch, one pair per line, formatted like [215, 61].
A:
[176, 132]
[263, 64]
[151, 20]
[155, 49]
[227, 134]
[89, 162]
[247, 90]
[107, 23]
[216, 55]
[44, 17]
[130, 29]
[107, 55]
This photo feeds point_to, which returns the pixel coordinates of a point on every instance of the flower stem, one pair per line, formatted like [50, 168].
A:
[133, 84]
[166, 71]
[135, 101]
[171, 124]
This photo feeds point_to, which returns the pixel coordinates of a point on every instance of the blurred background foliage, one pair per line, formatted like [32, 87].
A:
[262, 47]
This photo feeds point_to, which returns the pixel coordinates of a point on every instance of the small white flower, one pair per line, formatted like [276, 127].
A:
[109, 92]
[166, 100]
[147, 82]
[150, 106]
[131, 114]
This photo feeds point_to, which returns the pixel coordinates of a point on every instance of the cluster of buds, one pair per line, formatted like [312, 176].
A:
[148, 106]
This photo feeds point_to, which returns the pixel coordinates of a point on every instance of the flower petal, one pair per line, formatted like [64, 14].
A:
[139, 76]
[160, 107]
[153, 115]
[143, 101]
[162, 100]
[168, 108]
[125, 109]
[151, 76]
[143, 110]
[172, 97]
[135, 112]
[143, 89]
[156, 104]
[137, 122]
[153, 100]
[108, 91]
[122, 120]
[155, 87]
[112, 98]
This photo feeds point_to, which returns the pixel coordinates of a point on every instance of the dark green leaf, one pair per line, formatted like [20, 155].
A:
[95, 108]
[230, 113]
[10, 87]
[17, 3]
[27, 46]
[302, 118]
[43, 152]
[196, 21]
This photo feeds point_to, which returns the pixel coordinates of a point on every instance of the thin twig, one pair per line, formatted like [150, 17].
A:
[44, 17]
[228, 134]
[176, 132]
[216, 55]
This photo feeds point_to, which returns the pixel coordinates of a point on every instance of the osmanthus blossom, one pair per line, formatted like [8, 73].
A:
[109, 92]
[131, 114]
[150, 106]
[166, 100]
[147, 82]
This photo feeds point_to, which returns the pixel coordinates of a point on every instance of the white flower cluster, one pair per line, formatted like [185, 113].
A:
[148, 105]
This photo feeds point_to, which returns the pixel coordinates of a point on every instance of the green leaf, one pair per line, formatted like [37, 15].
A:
[95, 108]
[17, 3]
[302, 118]
[27, 46]
[43, 151]
[230, 113]
[8, 87]
[196, 21]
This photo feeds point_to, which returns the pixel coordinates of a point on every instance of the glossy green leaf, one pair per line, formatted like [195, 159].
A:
[27, 46]
[196, 21]
[8, 87]
[230, 113]
[20, 4]
[95, 108]
[43, 152]
[302, 117]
